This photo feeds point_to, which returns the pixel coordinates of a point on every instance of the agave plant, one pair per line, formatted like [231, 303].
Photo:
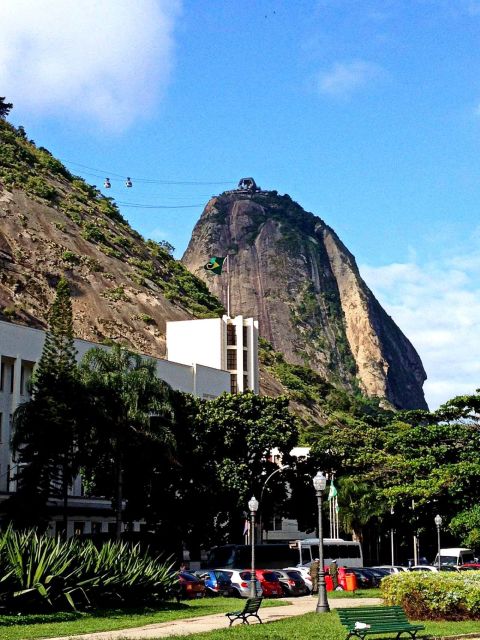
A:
[37, 571]
[39, 568]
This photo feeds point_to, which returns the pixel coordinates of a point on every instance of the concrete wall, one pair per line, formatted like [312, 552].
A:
[196, 341]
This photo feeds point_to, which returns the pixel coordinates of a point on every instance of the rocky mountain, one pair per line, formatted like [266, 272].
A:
[53, 223]
[291, 271]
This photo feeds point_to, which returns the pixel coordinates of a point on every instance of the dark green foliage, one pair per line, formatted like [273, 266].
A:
[130, 408]
[92, 233]
[222, 456]
[5, 107]
[70, 257]
[46, 428]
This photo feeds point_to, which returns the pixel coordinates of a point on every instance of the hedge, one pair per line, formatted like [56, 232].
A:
[426, 595]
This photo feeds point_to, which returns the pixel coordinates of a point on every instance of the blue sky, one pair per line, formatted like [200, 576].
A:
[366, 112]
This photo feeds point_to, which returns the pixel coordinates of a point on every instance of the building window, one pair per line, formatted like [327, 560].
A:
[12, 377]
[231, 335]
[96, 527]
[1, 427]
[22, 380]
[245, 360]
[245, 383]
[232, 359]
[275, 524]
[233, 383]
[2, 375]
[245, 336]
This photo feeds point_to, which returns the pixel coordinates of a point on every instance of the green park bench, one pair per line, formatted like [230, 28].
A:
[252, 605]
[377, 620]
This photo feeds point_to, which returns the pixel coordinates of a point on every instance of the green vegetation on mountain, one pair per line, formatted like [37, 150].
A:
[33, 170]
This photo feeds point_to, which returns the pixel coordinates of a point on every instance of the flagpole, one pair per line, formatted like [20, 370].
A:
[228, 286]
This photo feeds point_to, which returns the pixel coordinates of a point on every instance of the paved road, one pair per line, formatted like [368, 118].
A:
[186, 627]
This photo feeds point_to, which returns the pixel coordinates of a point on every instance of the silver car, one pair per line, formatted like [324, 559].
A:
[240, 579]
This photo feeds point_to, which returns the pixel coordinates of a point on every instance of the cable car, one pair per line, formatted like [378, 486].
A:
[128, 183]
[107, 184]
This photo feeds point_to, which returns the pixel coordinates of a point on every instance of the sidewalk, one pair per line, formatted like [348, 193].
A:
[186, 627]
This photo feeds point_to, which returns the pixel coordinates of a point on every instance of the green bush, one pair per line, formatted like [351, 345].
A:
[435, 596]
[40, 188]
[69, 256]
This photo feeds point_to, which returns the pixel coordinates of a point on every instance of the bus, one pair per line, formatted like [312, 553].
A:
[287, 554]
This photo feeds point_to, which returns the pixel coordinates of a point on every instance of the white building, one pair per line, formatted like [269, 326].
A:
[198, 352]
[221, 343]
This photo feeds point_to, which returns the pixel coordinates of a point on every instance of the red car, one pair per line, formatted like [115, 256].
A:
[270, 583]
[470, 566]
[189, 586]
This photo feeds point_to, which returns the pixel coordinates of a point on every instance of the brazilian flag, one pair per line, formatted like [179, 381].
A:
[215, 265]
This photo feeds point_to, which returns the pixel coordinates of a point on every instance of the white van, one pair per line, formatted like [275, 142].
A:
[456, 557]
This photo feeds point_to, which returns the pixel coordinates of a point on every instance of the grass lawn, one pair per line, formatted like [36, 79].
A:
[109, 619]
[325, 626]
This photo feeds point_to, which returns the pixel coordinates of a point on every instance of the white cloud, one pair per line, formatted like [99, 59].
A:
[437, 306]
[343, 78]
[105, 59]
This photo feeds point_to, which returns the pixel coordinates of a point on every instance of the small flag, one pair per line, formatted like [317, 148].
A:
[333, 491]
[215, 265]
[245, 528]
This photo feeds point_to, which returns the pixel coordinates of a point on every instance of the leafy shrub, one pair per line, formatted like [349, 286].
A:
[146, 318]
[115, 294]
[40, 188]
[92, 233]
[435, 596]
[69, 256]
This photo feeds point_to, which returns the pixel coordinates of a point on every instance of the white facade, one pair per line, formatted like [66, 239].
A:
[21, 347]
[221, 343]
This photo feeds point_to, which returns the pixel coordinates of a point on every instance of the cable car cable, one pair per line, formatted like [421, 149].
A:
[145, 180]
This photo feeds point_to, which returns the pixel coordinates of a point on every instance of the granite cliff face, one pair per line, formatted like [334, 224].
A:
[290, 270]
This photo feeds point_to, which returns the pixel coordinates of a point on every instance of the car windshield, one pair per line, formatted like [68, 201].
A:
[448, 559]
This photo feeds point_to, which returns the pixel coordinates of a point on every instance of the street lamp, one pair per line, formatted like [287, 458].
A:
[438, 522]
[260, 519]
[392, 544]
[253, 507]
[319, 484]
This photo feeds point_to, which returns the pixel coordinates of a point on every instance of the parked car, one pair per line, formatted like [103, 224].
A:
[217, 582]
[240, 580]
[397, 568]
[292, 582]
[429, 567]
[475, 566]
[365, 579]
[304, 572]
[270, 583]
[378, 572]
[189, 586]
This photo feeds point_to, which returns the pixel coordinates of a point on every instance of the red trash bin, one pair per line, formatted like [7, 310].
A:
[329, 583]
[350, 582]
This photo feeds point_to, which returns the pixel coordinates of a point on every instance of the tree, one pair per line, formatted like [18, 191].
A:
[223, 456]
[46, 428]
[129, 405]
[5, 108]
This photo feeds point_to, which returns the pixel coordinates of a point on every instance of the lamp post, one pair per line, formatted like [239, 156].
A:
[319, 484]
[438, 522]
[392, 544]
[253, 507]
[260, 518]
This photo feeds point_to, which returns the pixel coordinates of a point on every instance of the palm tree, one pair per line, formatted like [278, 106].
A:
[128, 402]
